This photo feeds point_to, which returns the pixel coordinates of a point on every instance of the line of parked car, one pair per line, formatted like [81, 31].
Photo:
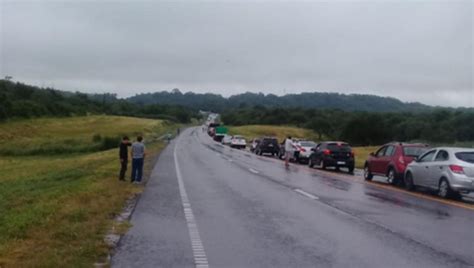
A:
[447, 170]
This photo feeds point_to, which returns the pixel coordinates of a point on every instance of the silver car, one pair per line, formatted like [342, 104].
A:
[449, 171]
[226, 140]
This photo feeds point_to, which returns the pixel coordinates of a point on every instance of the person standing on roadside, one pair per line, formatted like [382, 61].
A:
[288, 150]
[123, 156]
[138, 157]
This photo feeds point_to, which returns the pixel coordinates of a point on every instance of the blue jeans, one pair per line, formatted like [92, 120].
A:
[137, 169]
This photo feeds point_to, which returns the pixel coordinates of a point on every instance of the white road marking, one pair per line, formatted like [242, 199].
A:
[306, 194]
[200, 258]
[253, 170]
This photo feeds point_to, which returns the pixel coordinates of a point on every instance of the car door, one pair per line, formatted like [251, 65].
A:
[318, 153]
[376, 164]
[436, 168]
[421, 168]
[386, 158]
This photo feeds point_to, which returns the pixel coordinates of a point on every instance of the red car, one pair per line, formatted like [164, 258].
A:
[391, 160]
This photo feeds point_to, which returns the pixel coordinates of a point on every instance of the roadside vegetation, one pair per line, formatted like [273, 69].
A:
[59, 189]
[18, 100]
[439, 126]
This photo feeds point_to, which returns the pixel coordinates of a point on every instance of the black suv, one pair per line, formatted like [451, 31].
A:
[332, 154]
[267, 145]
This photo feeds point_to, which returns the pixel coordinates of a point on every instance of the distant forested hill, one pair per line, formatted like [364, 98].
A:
[316, 100]
[18, 100]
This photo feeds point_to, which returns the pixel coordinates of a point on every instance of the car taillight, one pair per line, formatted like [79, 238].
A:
[456, 169]
[327, 152]
[401, 160]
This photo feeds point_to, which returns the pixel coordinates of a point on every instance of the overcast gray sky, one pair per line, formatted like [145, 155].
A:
[412, 50]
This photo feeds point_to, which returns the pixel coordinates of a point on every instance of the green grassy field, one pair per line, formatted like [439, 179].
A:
[57, 202]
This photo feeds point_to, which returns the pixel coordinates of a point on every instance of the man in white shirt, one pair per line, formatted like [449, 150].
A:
[288, 150]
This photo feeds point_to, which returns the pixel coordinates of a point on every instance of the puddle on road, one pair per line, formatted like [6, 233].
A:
[334, 183]
[437, 212]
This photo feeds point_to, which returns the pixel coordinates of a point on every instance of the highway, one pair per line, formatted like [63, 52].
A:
[207, 205]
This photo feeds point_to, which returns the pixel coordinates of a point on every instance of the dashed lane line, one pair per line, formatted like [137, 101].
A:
[199, 254]
[253, 171]
[308, 195]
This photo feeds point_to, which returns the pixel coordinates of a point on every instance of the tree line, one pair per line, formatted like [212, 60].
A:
[18, 100]
[308, 100]
[365, 128]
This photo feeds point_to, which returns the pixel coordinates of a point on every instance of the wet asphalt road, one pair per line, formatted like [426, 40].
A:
[251, 211]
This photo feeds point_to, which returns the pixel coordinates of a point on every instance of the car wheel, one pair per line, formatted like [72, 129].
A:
[444, 189]
[351, 169]
[392, 176]
[310, 163]
[367, 174]
[409, 185]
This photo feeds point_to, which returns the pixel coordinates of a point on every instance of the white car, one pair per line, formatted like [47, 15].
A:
[303, 149]
[238, 142]
[449, 171]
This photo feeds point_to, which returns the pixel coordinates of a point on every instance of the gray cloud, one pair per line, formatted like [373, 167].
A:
[413, 50]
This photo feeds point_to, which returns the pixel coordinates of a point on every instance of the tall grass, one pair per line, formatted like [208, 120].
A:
[59, 188]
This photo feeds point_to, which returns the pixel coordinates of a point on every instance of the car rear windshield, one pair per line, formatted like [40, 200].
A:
[339, 147]
[268, 141]
[414, 151]
[465, 156]
[308, 144]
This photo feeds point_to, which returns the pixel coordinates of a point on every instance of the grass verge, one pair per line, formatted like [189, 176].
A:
[56, 209]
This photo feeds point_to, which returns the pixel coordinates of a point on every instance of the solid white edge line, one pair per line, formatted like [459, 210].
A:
[199, 254]
[306, 194]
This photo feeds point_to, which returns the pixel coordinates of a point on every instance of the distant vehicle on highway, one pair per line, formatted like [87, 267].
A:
[332, 154]
[449, 171]
[253, 144]
[391, 160]
[218, 137]
[267, 145]
[226, 140]
[238, 142]
[211, 130]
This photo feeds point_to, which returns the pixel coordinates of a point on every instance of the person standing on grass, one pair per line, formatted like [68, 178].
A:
[138, 156]
[123, 156]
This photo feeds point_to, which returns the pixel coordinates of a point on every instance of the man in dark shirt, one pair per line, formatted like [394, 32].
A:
[123, 155]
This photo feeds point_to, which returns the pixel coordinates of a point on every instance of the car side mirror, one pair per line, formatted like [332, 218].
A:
[313, 149]
[416, 159]
[372, 154]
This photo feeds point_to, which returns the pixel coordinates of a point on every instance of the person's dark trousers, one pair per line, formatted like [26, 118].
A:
[137, 169]
[123, 169]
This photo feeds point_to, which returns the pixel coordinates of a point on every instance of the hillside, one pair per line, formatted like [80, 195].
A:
[56, 206]
[318, 100]
[18, 100]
